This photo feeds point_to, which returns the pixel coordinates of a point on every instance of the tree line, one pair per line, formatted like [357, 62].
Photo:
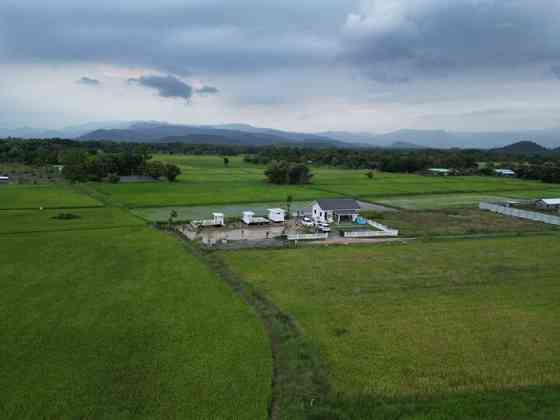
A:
[82, 166]
[103, 158]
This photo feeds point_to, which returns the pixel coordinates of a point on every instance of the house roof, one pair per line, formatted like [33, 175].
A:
[442, 170]
[5, 178]
[551, 201]
[338, 204]
[505, 171]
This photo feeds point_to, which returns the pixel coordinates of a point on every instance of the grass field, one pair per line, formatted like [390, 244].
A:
[430, 330]
[202, 193]
[121, 323]
[102, 317]
[16, 221]
[458, 222]
[355, 183]
[206, 181]
[161, 214]
[48, 196]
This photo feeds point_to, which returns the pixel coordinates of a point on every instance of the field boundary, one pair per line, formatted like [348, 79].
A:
[299, 380]
[24, 232]
[97, 206]
[521, 214]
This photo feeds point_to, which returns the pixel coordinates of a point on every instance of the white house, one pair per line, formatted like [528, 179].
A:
[276, 215]
[504, 172]
[4, 179]
[335, 209]
[549, 203]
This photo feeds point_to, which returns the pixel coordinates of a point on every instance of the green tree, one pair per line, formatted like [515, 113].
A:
[155, 169]
[226, 161]
[172, 172]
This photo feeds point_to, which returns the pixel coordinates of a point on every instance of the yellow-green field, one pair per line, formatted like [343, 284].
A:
[206, 181]
[102, 317]
[105, 317]
[428, 330]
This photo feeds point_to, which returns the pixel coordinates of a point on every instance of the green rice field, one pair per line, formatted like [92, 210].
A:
[46, 196]
[206, 182]
[103, 318]
[428, 330]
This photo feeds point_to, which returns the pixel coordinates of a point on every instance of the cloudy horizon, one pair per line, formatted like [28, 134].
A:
[371, 65]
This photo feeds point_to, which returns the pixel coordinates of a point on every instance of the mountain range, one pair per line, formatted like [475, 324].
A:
[244, 134]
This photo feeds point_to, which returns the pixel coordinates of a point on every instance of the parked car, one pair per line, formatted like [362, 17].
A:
[306, 221]
[323, 227]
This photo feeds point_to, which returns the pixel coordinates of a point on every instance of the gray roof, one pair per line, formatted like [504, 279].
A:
[338, 204]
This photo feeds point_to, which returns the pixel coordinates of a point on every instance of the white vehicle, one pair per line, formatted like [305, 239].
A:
[323, 227]
[306, 221]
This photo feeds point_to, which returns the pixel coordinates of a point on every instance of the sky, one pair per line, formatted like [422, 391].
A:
[313, 65]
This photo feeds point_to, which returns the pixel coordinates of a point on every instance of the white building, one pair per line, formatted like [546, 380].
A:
[4, 179]
[504, 172]
[440, 171]
[335, 209]
[276, 215]
[248, 217]
[218, 219]
[549, 203]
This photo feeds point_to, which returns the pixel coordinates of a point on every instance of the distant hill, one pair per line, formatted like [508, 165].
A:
[523, 148]
[157, 132]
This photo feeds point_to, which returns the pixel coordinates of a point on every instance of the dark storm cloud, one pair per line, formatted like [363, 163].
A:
[166, 86]
[207, 90]
[88, 81]
[173, 36]
[401, 39]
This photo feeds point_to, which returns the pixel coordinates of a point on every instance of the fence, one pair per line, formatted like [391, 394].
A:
[521, 214]
[371, 233]
[307, 236]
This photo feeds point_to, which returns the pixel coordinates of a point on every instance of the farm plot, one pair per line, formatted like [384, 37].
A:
[48, 196]
[457, 222]
[20, 221]
[355, 183]
[202, 193]
[161, 214]
[124, 324]
[439, 330]
[439, 201]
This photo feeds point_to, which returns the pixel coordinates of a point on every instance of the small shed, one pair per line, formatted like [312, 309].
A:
[549, 203]
[4, 179]
[218, 219]
[276, 215]
[439, 171]
[248, 217]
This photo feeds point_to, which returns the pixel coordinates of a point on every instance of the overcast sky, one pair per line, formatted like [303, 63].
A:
[313, 65]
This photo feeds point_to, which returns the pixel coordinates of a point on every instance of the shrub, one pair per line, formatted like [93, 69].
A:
[66, 216]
